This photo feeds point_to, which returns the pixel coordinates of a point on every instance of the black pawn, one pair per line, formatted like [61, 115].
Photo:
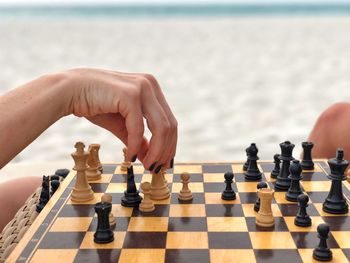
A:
[246, 164]
[307, 163]
[62, 173]
[257, 202]
[131, 196]
[253, 173]
[228, 193]
[283, 182]
[44, 194]
[335, 202]
[302, 219]
[103, 233]
[295, 176]
[54, 186]
[276, 169]
[322, 252]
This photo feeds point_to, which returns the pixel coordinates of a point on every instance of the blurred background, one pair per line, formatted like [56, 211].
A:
[234, 72]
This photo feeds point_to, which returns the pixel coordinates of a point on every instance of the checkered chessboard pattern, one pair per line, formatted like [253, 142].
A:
[206, 229]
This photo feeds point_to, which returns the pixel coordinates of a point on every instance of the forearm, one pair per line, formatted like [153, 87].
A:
[27, 111]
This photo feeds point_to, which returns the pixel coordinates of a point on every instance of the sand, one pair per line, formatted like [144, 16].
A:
[229, 81]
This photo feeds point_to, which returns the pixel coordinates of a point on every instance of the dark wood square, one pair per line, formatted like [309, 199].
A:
[159, 211]
[311, 240]
[229, 240]
[108, 168]
[58, 240]
[247, 197]
[217, 187]
[314, 176]
[292, 209]
[221, 210]
[187, 255]
[240, 177]
[280, 225]
[182, 224]
[195, 177]
[317, 197]
[97, 255]
[122, 224]
[267, 167]
[277, 255]
[217, 168]
[99, 187]
[77, 211]
[338, 223]
[145, 240]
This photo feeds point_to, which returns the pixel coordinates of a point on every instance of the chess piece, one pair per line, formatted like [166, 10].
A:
[107, 198]
[253, 173]
[125, 163]
[228, 193]
[283, 182]
[93, 172]
[307, 163]
[54, 186]
[97, 156]
[276, 169]
[62, 173]
[103, 232]
[163, 172]
[246, 164]
[44, 194]
[265, 217]
[322, 252]
[82, 191]
[185, 193]
[348, 176]
[302, 219]
[131, 196]
[146, 204]
[260, 185]
[295, 176]
[159, 189]
[335, 202]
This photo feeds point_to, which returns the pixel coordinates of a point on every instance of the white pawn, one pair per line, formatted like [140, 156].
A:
[125, 164]
[185, 193]
[146, 203]
[107, 198]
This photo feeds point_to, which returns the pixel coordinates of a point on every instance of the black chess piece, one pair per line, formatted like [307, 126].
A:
[228, 193]
[54, 186]
[103, 232]
[62, 173]
[307, 163]
[257, 202]
[295, 176]
[322, 252]
[276, 169]
[44, 194]
[246, 164]
[283, 182]
[335, 202]
[54, 177]
[302, 219]
[253, 173]
[131, 196]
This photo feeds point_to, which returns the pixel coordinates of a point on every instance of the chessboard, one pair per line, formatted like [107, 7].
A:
[206, 229]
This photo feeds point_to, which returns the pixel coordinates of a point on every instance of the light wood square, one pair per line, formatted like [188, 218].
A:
[272, 240]
[118, 187]
[244, 187]
[96, 199]
[187, 210]
[153, 224]
[54, 255]
[214, 178]
[338, 255]
[105, 178]
[227, 224]
[121, 211]
[232, 255]
[268, 177]
[88, 241]
[178, 169]
[238, 168]
[194, 187]
[71, 224]
[342, 238]
[322, 213]
[187, 240]
[215, 198]
[280, 198]
[248, 210]
[316, 186]
[142, 256]
[316, 220]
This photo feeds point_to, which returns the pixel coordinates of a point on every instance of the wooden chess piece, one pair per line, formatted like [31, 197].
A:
[82, 191]
[185, 193]
[125, 164]
[348, 176]
[163, 172]
[146, 203]
[93, 173]
[159, 190]
[107, 198]
[265, 217]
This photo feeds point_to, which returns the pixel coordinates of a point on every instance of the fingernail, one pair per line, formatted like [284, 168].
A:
[134, 158]
[158, 169]
[172, 163]
[152, 166]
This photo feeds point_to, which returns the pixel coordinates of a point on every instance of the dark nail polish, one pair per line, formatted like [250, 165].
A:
[134, 158]
[172, 163]
[152, 166]
[158, 169]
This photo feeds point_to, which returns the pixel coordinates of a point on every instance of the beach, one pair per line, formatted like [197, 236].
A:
[230, 81]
